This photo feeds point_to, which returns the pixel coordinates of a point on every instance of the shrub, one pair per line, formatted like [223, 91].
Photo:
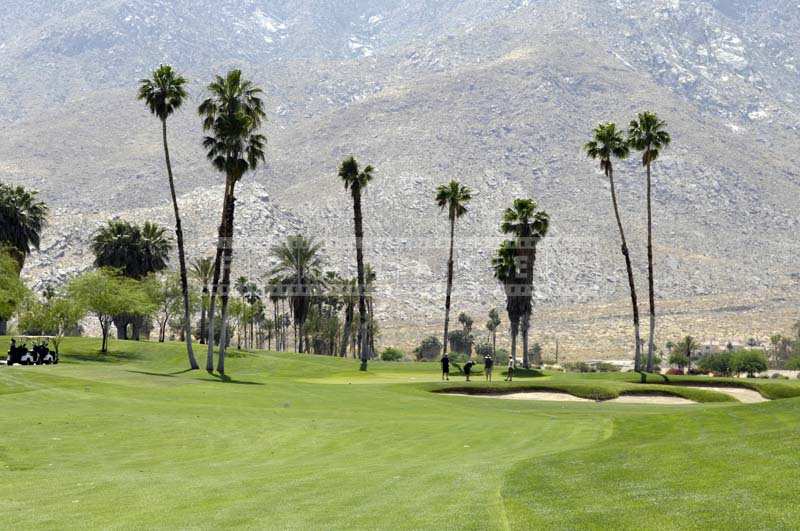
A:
[578, 366]
[607, 367]
[500, 356]
[679, 359]
[483, 349]
[793, 364]
[675, 372]
[750, 362]
[718, 363]
[430, 349]
[392, 354]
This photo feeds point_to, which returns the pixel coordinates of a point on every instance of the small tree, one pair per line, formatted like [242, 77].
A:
[750, 362]
[392, 354]
[679, 359]
[718, 363]
[166, 292]
[104, 293]
[56, 317]
[429, 349]
[12, 289]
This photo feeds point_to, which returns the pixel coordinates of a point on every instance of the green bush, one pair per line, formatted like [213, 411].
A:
[793, 364]
[750, 362]
[483, 349]
[718, 363]
[679, 359]
[392, 354]
[429, 350]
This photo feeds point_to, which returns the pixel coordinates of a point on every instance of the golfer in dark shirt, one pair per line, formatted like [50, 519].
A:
[445, 368]
[468, 368]
[488, 365]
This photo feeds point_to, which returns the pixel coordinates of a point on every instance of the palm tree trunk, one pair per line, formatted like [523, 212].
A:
[514, 332]
[651, 338]
[362, 304]
[181, 253]
[526, 362]
[226, 283]
[348, 322]
[631, 284]
[203, 323]
[448, 293]
[215, 281]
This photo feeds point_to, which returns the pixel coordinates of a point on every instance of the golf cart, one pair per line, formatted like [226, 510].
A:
[39, 354]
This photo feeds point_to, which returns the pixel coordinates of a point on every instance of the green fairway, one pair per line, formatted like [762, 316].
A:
[295, 441]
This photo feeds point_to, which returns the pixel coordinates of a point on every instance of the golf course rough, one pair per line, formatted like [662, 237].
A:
[131, 439]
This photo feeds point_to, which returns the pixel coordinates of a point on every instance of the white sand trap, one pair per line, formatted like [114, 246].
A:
[652, 399]
[547, 396]
[532, 395]
[746, 396]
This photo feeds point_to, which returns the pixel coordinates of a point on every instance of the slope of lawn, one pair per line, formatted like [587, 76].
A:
[131, 439]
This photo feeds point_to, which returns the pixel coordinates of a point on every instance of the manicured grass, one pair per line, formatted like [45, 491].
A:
[292, 441]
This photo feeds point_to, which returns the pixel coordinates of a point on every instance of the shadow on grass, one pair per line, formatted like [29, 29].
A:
[224, 378]
[161, 374]
[111, 357]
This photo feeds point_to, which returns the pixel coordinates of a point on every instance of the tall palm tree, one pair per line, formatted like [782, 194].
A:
[22, 220]
[299, 262]
[356, 180]
[202, 270]
[606, 145]
[232, 116]
[492, 325]
[164, 94]
[507, 273]
[529, 225]
[466, 322]
[453, 197]
[647, 134]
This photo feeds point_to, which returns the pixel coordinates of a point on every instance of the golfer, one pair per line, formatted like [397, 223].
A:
[488, 365]
[468, 368]
[510, 376]
[445, 367]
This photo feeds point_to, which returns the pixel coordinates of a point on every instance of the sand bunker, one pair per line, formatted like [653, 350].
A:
[744, 395]
[652, 399]
[548, 396]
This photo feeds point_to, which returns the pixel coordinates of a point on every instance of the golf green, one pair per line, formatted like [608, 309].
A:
[131, 439]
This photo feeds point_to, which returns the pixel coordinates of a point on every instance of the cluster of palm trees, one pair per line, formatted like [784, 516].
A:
[647, 133]
[321, 306]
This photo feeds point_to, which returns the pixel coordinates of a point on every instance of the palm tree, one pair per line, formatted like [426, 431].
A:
[356, 181]
[277, 293]
[507, 273]
[466, 322]
[529, 225]
[22, 220]
[454, 197]
[299, 261]
[232, 116]
[202, 270]
[492, 325]
[135, 252]
[164, 94]
[606, 145]
[647, 134]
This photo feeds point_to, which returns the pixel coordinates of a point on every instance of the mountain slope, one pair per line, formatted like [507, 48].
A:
[499, 94]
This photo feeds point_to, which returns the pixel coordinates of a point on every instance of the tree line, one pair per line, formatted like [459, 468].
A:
[232, 117]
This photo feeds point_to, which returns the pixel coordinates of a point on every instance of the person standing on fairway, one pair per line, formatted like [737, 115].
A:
[445, 367]
[510, 376]
[488, 365]
[468, 368]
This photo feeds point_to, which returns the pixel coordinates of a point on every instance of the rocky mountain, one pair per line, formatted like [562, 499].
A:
[498, 94]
